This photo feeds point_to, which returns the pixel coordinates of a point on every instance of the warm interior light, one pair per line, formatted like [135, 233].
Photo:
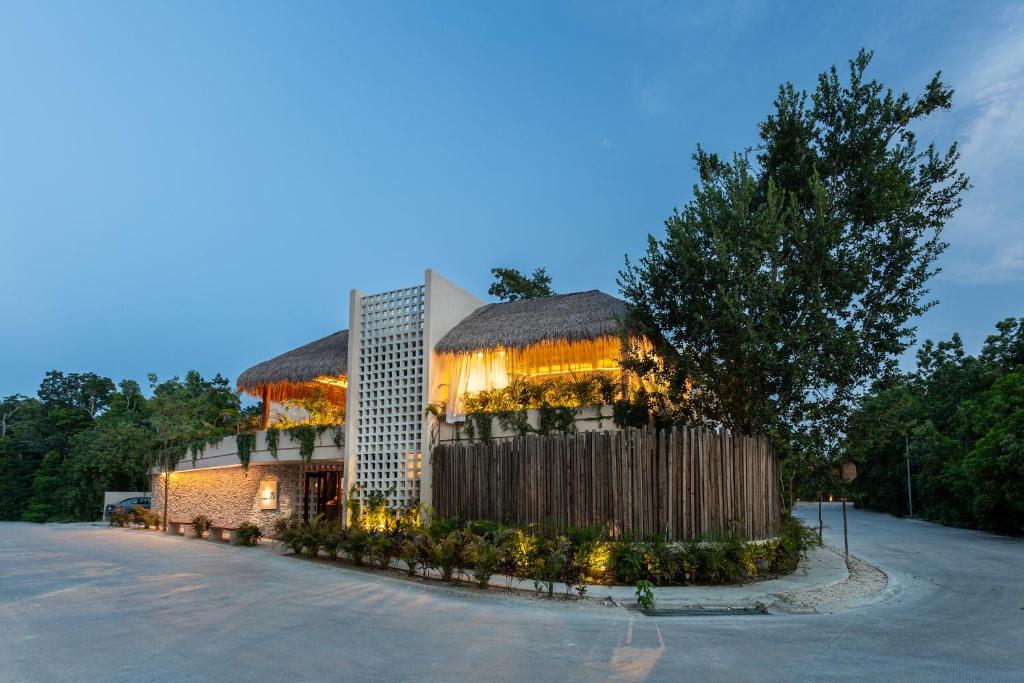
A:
[333, 381]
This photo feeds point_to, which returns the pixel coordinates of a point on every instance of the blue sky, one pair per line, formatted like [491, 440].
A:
[198, 185]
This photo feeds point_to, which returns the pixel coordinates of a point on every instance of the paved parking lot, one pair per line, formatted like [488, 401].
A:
[91, 603]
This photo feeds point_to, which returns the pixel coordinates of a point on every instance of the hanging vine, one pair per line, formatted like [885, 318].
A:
[305, 436]
[273, 435]
[245, 443]
[484, 425]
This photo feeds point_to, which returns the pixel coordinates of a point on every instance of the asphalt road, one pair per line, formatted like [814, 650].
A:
[91, 603]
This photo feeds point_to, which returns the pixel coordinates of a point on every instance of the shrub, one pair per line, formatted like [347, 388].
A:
[355, 544]
[409, 553]
[290, 534]
[453, 554]
[485, 561]
[382, 549]
[313, 536]
[550, 558]
[120, 519]
[249, 534]
[143, 517]
[201, 524]
[333, 539]
[426, 553]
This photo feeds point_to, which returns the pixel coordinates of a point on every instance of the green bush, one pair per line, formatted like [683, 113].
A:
[120, 519]
[313, 536]
[249, 534]
[355, 544]
[201, 524]
[382, 548]
[477, 550]
[333, 539]
[144, 518]
[485, 562]
[290, 534]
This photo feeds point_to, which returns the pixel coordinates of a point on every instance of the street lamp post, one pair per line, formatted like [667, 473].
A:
[910, 492]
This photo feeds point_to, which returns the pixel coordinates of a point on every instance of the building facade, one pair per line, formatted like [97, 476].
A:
[359, 410]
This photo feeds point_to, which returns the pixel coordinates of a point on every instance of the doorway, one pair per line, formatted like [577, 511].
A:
[321, 495]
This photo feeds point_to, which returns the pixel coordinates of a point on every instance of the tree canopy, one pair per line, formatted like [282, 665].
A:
[961, 418]
[511, 285]
[82, 435]
[790, 281]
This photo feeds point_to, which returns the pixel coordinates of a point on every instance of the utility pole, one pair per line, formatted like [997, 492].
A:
[910, 492]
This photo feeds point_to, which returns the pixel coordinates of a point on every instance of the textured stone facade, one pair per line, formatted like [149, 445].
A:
[230, 496]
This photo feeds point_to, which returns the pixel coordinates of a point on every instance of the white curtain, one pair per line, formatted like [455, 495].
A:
[487, 369]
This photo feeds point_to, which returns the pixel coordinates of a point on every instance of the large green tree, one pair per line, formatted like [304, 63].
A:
[511, 285]
[790, 281]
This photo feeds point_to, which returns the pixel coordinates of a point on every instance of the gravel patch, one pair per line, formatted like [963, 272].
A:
[864, 581]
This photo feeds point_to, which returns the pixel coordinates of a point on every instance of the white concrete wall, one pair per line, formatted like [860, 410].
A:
[447, 305]
[225, 453]
[352, 399]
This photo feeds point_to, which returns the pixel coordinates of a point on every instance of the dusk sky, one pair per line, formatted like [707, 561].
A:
[198, 185]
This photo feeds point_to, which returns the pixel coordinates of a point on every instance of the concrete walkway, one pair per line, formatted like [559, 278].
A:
[90, 603]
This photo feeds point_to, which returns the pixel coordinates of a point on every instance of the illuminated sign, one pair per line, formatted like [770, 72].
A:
[268, 495]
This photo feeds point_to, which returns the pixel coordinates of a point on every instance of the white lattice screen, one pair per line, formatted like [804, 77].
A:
[389, 416]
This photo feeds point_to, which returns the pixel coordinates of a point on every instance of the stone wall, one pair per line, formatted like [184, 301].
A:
[230, 496]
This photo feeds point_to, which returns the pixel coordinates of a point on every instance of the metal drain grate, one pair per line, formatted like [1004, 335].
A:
[705, 612]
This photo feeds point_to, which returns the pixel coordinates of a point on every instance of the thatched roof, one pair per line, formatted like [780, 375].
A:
[327, 357]
[519, 324]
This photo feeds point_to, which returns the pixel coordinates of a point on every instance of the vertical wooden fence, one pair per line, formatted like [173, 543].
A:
[683, 483]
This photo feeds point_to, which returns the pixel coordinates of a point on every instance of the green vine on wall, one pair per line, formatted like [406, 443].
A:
[484, 423]
[305, 436]
[273, 437]
[245, 442]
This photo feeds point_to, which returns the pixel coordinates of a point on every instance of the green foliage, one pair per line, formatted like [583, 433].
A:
[201, 524]
[49, 490]
[963, 419]
[317, 409]
[313, 534]
[786, 285]
[120, 518]
[511, 285]
[382, 548]
[249, 534]
[476, 550]
[333, 538]
[244, 442]
[355, 544]
[645, 595]
[273, 439]
[556, 399]
[144, 518]
[305, 435]
[485, 558]
[290, 534]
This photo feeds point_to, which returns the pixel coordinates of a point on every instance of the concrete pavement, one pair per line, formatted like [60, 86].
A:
[89, 603]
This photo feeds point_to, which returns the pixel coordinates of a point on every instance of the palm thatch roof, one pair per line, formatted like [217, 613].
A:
[326, 357]
[518, 324]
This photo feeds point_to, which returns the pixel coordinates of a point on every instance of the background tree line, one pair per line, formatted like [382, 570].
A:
[961, 417]
[82, 435]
